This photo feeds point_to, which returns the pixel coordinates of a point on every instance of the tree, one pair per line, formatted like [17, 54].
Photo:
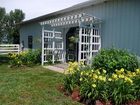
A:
[12, 25]
[2, 25]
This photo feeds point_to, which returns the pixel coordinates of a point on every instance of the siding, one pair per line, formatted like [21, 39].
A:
[120, 24]
[34, 30]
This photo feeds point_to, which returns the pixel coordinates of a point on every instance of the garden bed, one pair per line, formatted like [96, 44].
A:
[113, 79]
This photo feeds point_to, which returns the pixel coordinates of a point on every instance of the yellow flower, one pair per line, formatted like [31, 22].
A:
[98, 72]
[87, 74]
[104, 71]
[114, 76]
[102, 78]
[82, 73]
[137, 71]
[90, 75]
[121, 76]
[122, 70]
[109, 79]
[116, 70]
[81, 63]
[133, 74]
[81, 79]
[95, 76]
[94, 85]
[128, 80]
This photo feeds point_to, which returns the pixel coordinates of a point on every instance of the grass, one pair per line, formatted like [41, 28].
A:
[31, 86]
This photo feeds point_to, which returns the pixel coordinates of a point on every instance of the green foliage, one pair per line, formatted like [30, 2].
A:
[119, 87]
[94, 85]
[2, 16]
[112, 59]
[138, 60]
[71, 81]
[33, 57]
[29, 58]
[9, 25]
[122, 92]
[12, 25]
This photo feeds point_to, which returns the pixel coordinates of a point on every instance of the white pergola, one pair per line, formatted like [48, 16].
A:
[71, 19]
[89, 36]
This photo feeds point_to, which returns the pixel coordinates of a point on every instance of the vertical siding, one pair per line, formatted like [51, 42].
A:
[33, 29]
[120, 24]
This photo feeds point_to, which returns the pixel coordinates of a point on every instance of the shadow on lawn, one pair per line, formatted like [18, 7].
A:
[4, 59]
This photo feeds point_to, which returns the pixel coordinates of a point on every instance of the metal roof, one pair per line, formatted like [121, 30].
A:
[75, 7]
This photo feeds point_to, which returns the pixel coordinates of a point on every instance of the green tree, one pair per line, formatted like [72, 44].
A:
[12, 25]
[2, 25]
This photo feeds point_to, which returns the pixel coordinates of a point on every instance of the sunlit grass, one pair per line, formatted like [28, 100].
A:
[31, 86]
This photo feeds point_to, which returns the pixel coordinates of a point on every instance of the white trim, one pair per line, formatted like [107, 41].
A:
[53, 46]
[91, 36]
[42, 58]
[79, 52]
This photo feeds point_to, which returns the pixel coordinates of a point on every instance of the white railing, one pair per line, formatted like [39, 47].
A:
[9, 48]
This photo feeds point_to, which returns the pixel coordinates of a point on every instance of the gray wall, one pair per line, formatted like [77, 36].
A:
[33, 29]
[120, 24]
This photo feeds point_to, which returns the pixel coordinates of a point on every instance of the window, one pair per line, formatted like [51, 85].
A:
[30, 42]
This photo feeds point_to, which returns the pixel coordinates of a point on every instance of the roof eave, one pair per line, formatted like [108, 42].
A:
[75, 7]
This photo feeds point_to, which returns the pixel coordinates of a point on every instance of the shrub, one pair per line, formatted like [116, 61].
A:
[120, 87]
[28, 58]
[71, 80]
[138, 60]
[93, 85]
[32, 57]
[112, 59]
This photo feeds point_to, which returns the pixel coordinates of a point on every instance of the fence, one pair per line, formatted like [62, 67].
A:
[9, 48]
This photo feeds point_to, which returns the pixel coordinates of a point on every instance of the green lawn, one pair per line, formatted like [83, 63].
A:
[31, 86]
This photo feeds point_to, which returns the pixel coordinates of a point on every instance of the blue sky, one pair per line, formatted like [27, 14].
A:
[35, 8]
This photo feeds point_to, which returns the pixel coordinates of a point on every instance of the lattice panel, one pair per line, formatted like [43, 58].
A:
[52, 46]
[89, 43]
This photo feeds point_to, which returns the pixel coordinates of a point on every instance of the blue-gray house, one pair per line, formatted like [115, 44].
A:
[78, 32]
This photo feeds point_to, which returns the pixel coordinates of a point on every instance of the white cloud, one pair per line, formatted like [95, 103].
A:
[35, 8]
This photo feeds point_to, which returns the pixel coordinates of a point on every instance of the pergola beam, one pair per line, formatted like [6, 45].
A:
[71, 20]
